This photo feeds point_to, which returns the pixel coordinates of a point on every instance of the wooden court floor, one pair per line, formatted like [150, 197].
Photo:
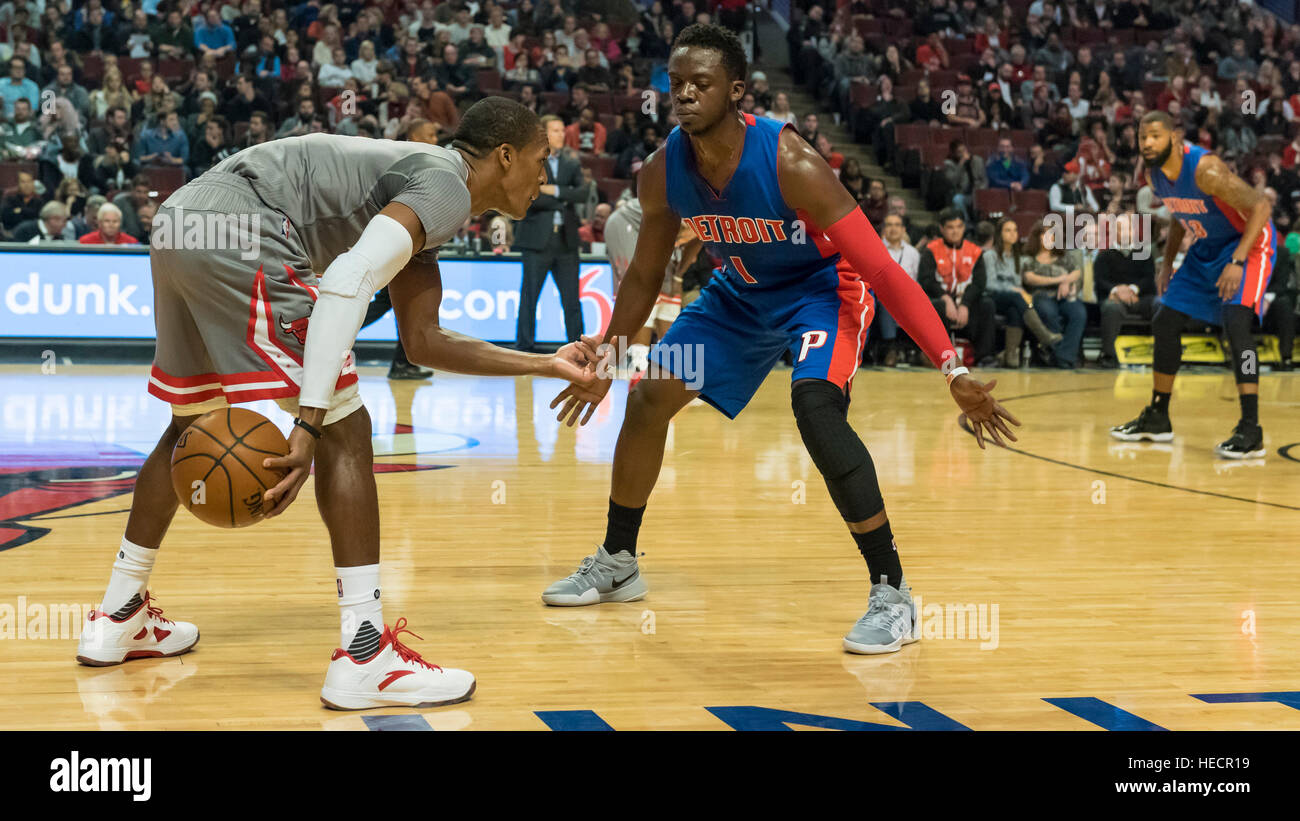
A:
[1073, 583]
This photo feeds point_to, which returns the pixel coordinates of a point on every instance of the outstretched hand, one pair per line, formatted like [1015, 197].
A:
[987, 417]
[583, 396]
[575, 362]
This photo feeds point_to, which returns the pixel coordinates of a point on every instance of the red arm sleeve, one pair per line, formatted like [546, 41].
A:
[858, 242]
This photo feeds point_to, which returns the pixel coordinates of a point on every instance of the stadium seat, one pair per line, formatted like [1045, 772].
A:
[1027, 221]
[600, 166]
[9, 172]
[943, 136]
[965, 63]
[164, 179]
[862, 94]
[982, 141]
[626, 102]
[554, 101]
[175, 71]
[933, 156]
[911, 135]
[611, 188]
[1022, 139]
[92, 70]
[868, 25]
[489, 80]
[898, 29]
[992, 202]
[1030, 199]
[943, 80]
[912, 76]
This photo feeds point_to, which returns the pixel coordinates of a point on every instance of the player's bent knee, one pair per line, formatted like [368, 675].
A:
[820, 411]
[656, 401]
[1167, 320]
[1238, 324]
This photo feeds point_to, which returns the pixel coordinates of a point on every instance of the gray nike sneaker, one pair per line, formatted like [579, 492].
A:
[888, 624]
[600, 578]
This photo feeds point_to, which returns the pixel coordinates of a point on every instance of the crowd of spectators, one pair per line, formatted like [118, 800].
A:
[109, 106]
[1002, 112]
[1024, 108]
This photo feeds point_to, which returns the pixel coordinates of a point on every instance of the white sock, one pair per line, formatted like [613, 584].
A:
[360, 610]
[130, 577]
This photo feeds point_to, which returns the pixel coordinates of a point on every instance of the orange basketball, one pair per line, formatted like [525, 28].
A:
[217, 466]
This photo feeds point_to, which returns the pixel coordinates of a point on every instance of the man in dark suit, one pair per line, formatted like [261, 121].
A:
[1126, 287]
[547, 236]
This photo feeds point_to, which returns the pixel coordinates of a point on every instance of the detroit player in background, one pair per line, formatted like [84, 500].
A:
[1221, 282]
[750, 187]
[365, 213]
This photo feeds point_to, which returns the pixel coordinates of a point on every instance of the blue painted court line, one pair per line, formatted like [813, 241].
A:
[1106, 716]
[573, 720]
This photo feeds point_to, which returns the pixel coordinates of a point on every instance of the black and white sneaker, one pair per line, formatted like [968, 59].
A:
[1152, 425]
[1246, 442]
[407, 370]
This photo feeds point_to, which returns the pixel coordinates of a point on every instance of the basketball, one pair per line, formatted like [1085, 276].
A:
[217, 468]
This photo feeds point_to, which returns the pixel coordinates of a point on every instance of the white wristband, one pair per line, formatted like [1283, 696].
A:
[956, 372]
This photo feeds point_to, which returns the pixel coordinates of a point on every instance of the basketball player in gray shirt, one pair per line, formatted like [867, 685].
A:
[309, 228]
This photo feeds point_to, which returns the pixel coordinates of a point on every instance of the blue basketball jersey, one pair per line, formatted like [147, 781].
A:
[1211, 222]
[762, 242]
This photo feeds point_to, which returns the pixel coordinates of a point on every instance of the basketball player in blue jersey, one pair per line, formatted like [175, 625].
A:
[1221, 281]
[778, 218]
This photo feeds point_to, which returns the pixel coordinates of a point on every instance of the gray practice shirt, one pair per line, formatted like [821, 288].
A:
[330, 187]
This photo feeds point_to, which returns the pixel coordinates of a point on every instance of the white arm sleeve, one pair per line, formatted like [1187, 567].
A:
[346, 288]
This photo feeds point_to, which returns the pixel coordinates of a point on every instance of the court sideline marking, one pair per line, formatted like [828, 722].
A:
[965, 425]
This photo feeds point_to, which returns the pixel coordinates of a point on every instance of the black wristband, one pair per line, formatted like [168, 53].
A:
[1241, 264]
[315, 434]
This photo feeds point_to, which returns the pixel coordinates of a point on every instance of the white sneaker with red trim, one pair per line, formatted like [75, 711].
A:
[395, 676]
[141, 633]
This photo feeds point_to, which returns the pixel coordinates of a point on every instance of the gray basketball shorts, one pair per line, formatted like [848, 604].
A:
[233, 293]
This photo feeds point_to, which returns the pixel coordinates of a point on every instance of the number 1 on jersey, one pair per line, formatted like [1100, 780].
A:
[740, 269]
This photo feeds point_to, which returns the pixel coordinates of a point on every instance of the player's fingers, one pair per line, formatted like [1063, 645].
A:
[559, 397]
[577, 413]
[591, 408]
[1002, 426]
[284, 502]
[278, 497]
[993, 433]
[990, 385]
[568, 406]
[975, 428]
[1005, 414]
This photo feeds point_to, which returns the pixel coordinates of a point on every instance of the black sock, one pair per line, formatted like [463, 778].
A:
[1249, 407]
[1160, 401]
[365, 644]
[877, 547]
[624, 523]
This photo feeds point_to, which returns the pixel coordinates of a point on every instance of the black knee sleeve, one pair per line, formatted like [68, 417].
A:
[1167, 327]
[1237, 323]
[820, 410]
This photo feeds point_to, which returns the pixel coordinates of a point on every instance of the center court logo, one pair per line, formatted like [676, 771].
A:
[207, 231]
[125, 775]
